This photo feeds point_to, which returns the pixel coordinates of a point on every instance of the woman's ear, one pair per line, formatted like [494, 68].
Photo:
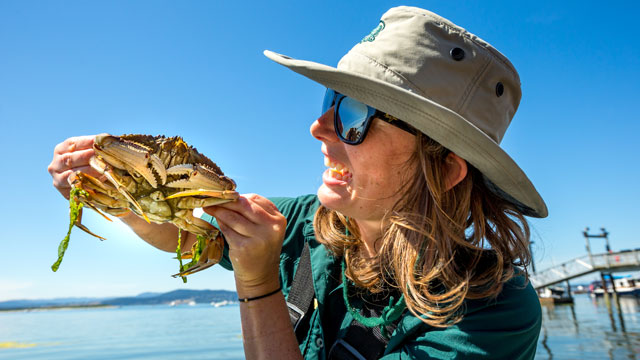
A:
[455, 170]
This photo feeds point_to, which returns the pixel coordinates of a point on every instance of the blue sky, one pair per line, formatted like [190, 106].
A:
[196, 69]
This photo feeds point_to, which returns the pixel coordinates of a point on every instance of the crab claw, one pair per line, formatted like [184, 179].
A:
[199, 176]
[124, 153]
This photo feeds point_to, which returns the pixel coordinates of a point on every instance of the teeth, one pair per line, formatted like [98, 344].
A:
[338, 170]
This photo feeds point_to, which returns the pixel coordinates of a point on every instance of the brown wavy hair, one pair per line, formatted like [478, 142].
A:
[438, 247]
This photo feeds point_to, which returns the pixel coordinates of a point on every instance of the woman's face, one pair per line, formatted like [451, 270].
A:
[362, 181]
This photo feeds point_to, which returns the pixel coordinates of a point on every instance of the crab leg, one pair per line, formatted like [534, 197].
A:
[126, 194]
[104, 197]
[95, 208]
[186, 220]
[107, 201]
[193, 203]
[84, 228]
[224, 194]
[76, 180]
[211, 255]
[105, 169]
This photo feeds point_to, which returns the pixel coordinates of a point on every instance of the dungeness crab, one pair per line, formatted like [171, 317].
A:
[160, 179]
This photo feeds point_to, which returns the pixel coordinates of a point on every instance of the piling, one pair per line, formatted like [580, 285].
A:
[605, 291]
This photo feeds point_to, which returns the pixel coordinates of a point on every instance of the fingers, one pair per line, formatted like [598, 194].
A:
[63, 165]
[242, 220]
[248, 216]
[254, 206]
[265, 203]
[230, 233]
[243, 207]
[74, 144]
[61, 181]
[70, 160]
[69, 156]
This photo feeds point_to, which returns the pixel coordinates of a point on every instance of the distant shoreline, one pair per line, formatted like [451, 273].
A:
[172, 297]
[55, 307]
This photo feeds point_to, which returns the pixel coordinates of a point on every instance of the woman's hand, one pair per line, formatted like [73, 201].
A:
[254, 229]
[70, 156]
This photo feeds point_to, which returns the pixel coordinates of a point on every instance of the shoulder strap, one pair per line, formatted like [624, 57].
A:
[301, 294]
[361, 342]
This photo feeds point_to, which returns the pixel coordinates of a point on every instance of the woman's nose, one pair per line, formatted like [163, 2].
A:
[322, 129]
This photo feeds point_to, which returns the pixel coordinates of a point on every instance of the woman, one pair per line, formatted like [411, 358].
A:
[416, 243]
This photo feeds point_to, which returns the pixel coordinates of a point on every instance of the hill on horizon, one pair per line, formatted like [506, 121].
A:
[145, 298]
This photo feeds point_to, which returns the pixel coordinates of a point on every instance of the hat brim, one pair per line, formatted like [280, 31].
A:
[443, 125]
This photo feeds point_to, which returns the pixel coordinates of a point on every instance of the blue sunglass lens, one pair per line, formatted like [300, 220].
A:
[329, 98]
[352, 115]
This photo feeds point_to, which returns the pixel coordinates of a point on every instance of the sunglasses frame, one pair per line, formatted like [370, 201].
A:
[371, 114]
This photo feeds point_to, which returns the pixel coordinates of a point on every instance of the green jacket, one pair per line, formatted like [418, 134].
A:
[504, 328]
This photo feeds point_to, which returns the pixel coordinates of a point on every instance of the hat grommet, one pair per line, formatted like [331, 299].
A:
[499, 89]
[457, 53]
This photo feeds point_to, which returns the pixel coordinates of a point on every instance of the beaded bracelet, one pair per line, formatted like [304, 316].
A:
[261, 296]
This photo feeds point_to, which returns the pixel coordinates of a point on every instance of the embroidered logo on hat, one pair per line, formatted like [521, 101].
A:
[374, 33]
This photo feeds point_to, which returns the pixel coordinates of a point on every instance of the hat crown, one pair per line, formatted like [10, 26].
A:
[430, 56]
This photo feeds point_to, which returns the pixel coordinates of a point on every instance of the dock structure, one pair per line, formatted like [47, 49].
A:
[627, 260]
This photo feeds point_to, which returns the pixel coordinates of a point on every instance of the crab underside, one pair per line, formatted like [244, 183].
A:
[160, 179]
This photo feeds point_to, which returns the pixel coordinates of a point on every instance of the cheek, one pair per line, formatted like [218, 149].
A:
[380, 173]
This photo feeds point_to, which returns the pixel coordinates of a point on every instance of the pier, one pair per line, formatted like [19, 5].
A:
[605, 263]
[621, 261]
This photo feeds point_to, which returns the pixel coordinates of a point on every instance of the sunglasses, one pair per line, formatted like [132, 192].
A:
[352, 119]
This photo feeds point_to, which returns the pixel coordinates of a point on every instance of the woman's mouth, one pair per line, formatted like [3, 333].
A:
[337, 170]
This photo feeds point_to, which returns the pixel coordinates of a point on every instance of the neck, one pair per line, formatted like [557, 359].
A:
[370, 231]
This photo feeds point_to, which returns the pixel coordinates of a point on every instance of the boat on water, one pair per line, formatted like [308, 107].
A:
[625, 286]
[221, 303]
[183, 302]
[556, 295]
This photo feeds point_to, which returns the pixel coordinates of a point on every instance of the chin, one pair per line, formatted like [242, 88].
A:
[332, 200]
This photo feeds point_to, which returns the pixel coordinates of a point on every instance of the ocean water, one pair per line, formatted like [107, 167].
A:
[129, 332]
[585, 330]
[588, 330]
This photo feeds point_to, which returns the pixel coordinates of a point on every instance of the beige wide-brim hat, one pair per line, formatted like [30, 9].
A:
[444, 81]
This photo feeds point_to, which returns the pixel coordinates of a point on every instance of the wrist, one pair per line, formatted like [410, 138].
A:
[246, 300]
[247, 291]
